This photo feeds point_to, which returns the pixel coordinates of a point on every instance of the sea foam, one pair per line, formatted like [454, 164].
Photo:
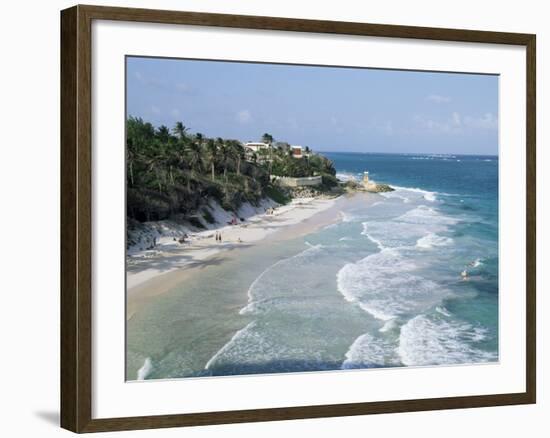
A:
[435, 341]
[377, 242]
[145, 369]
[416, 227]
[385, 285]
[242, 333]
[415, 192]
[370, 352]
[432, 240]
[257, 290]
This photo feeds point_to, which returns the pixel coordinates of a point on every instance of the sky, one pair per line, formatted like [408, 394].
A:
[326, 108]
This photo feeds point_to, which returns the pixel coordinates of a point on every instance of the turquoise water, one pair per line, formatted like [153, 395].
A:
[411, 280]
[440, 223]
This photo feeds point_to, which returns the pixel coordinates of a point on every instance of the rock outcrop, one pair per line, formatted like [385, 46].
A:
[354, 186]
[378, 188]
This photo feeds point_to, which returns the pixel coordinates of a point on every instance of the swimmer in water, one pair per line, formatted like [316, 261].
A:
[464, 275]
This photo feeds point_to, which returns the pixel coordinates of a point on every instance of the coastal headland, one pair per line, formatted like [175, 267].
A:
[191, 199]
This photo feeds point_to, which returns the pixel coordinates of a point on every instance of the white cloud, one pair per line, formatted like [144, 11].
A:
[244, 116]
[455, 119]
[487, 121]
[456, 123]
[437, 98]
[150, 82]
[448, 125]
[381, 126]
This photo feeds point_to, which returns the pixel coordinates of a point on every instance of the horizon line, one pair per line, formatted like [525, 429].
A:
[407, 153]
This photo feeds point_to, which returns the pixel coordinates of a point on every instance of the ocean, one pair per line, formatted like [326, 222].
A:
[409, 280]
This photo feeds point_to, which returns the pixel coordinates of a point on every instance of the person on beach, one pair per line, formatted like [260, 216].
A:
[220, 237]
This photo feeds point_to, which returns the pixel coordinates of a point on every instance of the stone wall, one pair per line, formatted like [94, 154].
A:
[287, 181]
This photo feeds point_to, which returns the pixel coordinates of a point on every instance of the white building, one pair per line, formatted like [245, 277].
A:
[256, 146]
[297, 151]
[288, 181]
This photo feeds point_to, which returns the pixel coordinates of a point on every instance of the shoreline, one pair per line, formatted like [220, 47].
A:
[151, 273]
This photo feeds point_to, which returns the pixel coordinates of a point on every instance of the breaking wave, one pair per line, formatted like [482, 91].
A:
[435, 341]
[370, 352]
[261, 289]
[385, 285]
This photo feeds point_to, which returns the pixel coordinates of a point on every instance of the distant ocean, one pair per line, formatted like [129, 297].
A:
[411, 280]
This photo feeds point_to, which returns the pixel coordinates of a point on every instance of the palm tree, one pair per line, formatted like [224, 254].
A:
[130, 160]
[267, 138]
[225, 155]
[163, 134]
[180, 130]
[237, 153]
[213, 155]
[156, 170]
[195, 157]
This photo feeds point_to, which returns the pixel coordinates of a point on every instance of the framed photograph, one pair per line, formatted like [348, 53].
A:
[270, 218]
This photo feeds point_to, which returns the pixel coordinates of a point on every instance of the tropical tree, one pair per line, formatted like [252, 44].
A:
[236, 152]
[130, 162]
[267, 138]
[163, 133]
[172, 171]
[180, 130]
[213, 156]
[225, 156]
[195, 157]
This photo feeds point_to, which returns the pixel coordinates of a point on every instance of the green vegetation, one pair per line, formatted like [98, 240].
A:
[173, 173]
[310, 165]
[277, 194]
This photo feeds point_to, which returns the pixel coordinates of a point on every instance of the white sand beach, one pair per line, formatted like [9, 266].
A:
[155, 271]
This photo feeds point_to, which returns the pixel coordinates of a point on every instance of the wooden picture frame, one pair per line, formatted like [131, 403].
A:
[76, 217]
